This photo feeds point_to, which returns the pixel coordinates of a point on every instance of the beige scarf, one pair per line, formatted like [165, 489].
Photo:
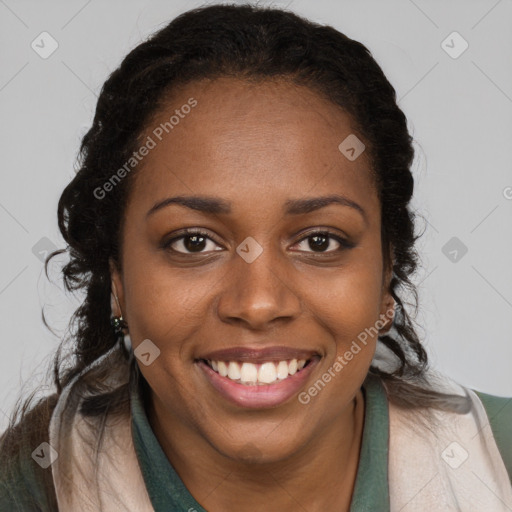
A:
[454, 465]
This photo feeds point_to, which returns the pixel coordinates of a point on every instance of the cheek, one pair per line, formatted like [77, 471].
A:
[348, 306]
[348, 300]
[163, 304]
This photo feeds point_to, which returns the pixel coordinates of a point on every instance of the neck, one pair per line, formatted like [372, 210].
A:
[328, 462]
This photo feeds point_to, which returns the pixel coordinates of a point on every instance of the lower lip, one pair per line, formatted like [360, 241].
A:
[258, 396]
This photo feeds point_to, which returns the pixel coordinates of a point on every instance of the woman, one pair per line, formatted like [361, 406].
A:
[240, 225]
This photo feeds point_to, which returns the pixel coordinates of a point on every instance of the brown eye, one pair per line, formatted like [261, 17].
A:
[320, 241]
[190, 242]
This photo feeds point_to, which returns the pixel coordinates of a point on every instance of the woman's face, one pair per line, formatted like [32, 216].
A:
[263, 285]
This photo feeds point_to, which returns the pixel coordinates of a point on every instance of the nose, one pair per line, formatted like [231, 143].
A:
[257, 294]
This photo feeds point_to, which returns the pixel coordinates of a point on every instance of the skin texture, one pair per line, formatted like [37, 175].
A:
[255, 145]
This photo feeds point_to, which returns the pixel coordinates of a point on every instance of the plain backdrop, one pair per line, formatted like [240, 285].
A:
[458, 102]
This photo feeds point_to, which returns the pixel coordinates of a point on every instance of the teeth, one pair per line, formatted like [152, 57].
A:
[267, 373]
[282, 370]
[233, 371]
[223, 369]
[251, 374]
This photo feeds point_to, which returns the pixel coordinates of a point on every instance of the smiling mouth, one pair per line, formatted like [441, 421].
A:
[261, 374]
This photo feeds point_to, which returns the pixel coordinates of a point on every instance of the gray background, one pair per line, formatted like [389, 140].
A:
[459, 112]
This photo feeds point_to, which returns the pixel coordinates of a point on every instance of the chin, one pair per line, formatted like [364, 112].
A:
[259, 451]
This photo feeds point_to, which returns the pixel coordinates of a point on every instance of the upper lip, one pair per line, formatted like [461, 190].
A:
[259, 355]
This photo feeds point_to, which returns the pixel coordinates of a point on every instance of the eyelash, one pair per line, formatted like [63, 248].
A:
[345, 244]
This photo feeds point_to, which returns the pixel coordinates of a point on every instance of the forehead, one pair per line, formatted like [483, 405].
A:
[244, 140]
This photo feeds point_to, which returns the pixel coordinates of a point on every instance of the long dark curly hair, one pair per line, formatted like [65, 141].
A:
[256, 44]
[247, 42]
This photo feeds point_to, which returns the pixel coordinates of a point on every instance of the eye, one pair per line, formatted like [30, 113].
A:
[319, 241]
[193, 241]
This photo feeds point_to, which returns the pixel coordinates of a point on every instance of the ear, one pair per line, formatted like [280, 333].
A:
[117, 289]
[387, 307]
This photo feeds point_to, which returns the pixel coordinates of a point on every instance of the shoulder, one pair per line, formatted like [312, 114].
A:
[499, 412]
[24, 484]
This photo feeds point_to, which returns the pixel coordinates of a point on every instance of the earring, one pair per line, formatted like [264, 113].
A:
[118, 323]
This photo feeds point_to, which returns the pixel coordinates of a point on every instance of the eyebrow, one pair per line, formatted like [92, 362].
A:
[214, 205]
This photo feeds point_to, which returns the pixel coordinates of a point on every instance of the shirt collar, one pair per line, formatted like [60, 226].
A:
[168, 492]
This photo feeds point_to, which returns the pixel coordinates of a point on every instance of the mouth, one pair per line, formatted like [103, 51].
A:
[258, 378]
[262, 374]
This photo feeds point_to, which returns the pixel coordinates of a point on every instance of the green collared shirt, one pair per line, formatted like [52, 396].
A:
[371, 493]
[21, 489]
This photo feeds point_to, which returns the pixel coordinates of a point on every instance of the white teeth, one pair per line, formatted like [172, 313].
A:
[282, 370]
[223, 369]
[267, 373]
[251, 374]
[233, 371]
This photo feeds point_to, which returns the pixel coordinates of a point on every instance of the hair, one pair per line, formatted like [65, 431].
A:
[254, 44]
